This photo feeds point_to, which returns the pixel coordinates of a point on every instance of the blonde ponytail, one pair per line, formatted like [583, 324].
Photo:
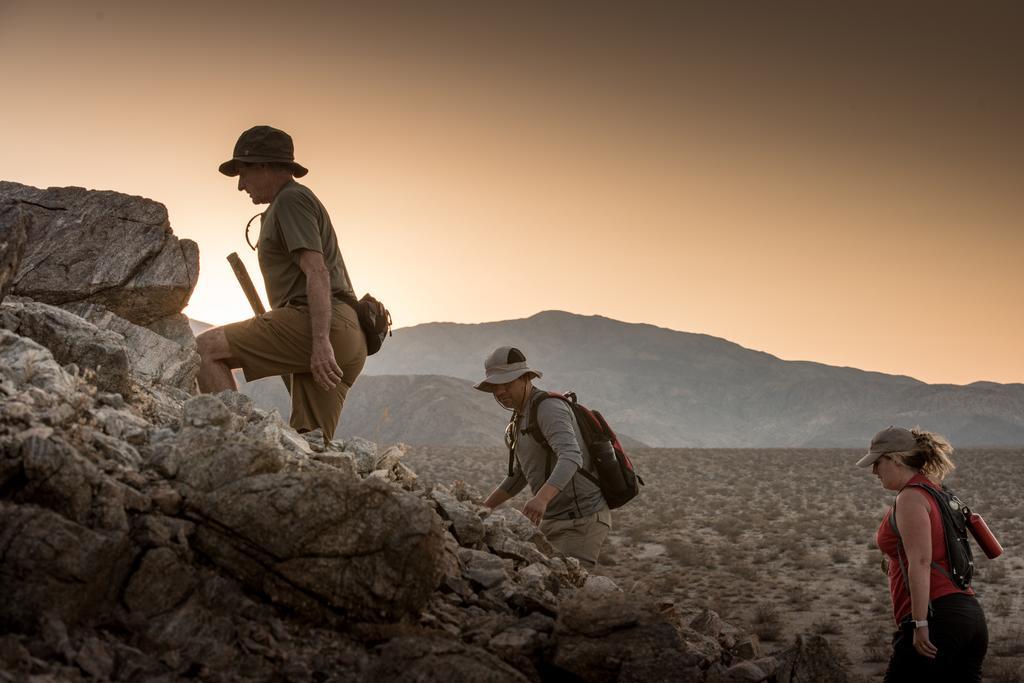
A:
[932, 457]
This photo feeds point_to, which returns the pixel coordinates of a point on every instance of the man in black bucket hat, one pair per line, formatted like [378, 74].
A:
[567, 506]
[312, 331]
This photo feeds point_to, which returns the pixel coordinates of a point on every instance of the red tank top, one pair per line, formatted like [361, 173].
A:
[940, 584]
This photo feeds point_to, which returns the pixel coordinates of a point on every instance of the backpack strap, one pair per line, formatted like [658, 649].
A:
[534, 430]
[934, 564]
[901, 550]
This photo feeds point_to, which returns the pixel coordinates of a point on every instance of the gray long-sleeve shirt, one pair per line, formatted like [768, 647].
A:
[578, 496]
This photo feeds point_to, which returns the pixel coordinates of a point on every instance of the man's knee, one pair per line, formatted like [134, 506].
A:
[212, 345]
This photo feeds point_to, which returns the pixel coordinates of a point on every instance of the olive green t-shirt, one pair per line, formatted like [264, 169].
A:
[297, 220]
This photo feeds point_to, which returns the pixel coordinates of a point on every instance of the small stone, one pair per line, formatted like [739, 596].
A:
[482, 568]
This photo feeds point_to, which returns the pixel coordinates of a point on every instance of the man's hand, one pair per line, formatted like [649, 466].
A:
[323, 365]
[535, 507]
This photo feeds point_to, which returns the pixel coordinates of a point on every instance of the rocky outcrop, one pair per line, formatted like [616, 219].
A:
[12, 243]
[147, 533]
[106, 248]
[811, 658]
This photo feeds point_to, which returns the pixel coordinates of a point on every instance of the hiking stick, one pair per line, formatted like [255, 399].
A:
[254, 299]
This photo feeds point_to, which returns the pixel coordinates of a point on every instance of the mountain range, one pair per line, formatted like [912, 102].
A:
[660, 387]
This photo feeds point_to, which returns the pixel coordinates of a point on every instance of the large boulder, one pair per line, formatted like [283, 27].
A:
[72, 340]
[51, 564]
[317, 540]
[12, 242]
[155, 357]
[107, 248]
[610, 636]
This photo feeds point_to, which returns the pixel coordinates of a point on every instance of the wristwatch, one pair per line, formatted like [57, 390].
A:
[919, 624]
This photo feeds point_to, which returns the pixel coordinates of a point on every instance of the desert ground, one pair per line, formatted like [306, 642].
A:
[781, 541]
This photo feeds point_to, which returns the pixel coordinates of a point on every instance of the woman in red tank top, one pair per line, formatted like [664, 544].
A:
[942, 632]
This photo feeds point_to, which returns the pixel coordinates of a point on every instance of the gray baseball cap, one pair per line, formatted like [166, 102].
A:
[504, 365]
[890, 440]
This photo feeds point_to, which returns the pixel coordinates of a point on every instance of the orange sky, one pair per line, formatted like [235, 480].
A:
[839, 185]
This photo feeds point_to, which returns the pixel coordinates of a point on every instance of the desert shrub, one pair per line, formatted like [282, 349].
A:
[999, 670]
[1008, 644]
[992, 572]
[878, 647]
[827, 627]
[686, 554]
[729, 527]
[767, 624]
[840, 555]
[745, 571]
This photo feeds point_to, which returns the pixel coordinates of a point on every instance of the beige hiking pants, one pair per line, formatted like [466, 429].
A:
[580, 538]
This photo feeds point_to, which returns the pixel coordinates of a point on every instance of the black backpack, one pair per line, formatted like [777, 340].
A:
[618, 481]
[954, 514]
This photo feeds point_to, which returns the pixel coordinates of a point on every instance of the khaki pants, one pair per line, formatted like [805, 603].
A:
[280, 342]
[581, 538]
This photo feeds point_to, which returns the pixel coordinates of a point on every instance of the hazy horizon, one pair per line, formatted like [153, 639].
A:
[834, 184]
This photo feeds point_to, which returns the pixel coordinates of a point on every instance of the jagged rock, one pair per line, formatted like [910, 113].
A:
[72, 340]
[12, 243]
[466, 525]
[14, 657]
[744, 672]
[95, 659]
[50, 563]
[708, 623]
[517, 550]
[365, 453]
[342, 461]
[703, 646]
[601, 584]
[811, 658]
[154, 359]
[747, 646]
[327, 542]
[161, 583]
[482, 568]
[25, 363]
[435, 659]
[619, 636]
[208, 410]
[176, 328]
[102, 247]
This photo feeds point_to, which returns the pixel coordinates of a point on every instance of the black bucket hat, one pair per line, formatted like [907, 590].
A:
[263, 144]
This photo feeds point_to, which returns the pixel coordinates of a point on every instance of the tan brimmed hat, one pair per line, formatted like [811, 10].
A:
[504, 365]
[889, 440]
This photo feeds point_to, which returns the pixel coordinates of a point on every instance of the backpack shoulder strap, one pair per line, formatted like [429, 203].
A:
[899, 540]
[533, 428]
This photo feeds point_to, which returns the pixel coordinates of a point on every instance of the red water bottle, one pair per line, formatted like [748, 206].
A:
[984, 536]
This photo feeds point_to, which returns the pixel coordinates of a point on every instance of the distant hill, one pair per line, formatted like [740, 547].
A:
[665, 388]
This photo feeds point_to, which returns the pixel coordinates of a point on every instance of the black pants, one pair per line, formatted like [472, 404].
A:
[958, 631]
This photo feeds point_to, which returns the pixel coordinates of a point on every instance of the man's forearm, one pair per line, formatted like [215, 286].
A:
[497, 497]
[318, 292]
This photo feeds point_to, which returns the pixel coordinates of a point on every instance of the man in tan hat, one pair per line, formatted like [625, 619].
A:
[312, 331]
[569, 507]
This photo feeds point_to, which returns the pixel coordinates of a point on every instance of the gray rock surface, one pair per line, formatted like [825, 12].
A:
[601, 636]
[72, 340]
[12, 243]
[154, 358]
[102, 247]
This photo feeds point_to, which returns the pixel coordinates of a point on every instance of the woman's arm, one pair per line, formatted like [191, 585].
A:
[914, 523]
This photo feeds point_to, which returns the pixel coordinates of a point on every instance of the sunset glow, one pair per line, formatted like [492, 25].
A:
[843, 189]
